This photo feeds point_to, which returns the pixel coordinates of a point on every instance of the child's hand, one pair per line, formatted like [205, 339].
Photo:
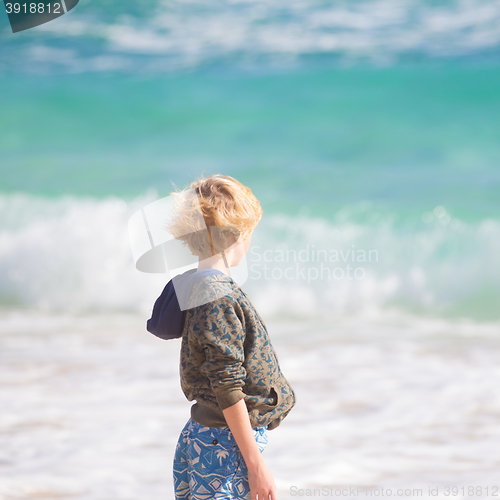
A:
[261, 482]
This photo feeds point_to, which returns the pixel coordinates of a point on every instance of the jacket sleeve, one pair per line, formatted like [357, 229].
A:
[220, 332]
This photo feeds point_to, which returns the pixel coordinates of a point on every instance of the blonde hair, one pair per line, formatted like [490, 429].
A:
[216, 200]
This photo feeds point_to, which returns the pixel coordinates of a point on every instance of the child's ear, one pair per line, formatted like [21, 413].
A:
[230, 238]
[231, 235]
[222, 238]
[235, 232]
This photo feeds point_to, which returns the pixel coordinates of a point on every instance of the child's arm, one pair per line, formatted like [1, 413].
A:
[218, 329]
[259, 477]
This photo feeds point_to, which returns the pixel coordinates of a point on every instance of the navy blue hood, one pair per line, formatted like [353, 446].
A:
[167, 319]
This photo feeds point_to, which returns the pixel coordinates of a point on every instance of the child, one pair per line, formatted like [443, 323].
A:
[228, 364]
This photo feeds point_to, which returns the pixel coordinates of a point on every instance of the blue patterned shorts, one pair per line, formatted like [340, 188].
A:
[208, 463]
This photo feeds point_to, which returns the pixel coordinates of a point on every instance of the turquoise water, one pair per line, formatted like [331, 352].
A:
[406, 138]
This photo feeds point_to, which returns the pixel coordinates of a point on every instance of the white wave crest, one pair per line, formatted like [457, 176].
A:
[74, 254]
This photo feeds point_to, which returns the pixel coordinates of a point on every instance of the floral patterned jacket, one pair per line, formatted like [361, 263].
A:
[227, 355]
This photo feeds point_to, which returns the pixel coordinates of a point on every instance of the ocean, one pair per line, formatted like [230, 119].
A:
[369, 131]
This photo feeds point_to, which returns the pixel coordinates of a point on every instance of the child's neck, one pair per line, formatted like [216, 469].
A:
[215, 262]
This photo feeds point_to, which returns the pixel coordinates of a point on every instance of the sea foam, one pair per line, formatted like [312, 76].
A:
[73, 254]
